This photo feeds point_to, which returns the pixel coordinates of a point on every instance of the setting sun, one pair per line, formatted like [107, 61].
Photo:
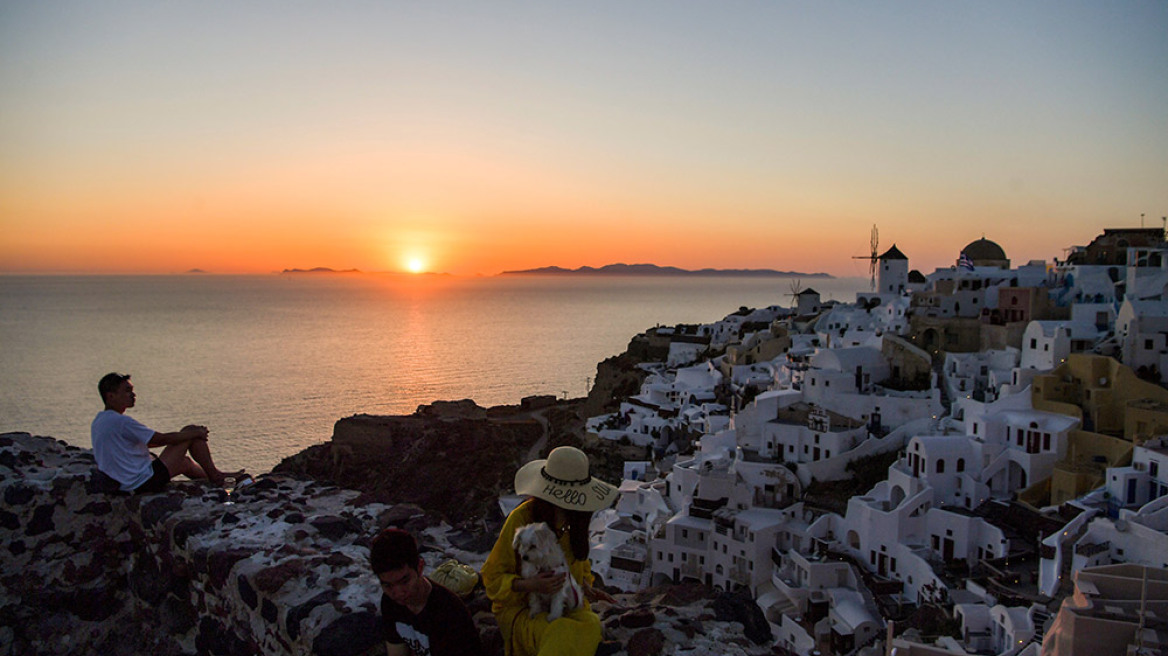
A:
[415, 265]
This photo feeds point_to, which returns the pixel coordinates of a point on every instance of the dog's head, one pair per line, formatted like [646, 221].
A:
[535, 544]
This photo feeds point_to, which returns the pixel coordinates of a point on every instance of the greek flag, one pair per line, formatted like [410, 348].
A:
[964, 262]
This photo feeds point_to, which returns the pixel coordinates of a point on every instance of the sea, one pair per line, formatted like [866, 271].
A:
[269, 363]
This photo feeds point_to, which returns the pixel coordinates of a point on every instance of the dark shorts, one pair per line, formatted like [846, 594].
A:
[157, 482]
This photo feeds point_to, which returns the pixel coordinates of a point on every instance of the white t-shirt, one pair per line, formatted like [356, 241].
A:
[119, 446]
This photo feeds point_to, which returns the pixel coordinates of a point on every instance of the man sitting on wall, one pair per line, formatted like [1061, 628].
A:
[121, 445]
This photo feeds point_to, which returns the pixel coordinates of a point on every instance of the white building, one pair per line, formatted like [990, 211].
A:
[1046, 344]
[1144, 480]
[847, 326]
[1017, 445]
[979, 376]
[800, 433]
[846, 381]
[1142, 330]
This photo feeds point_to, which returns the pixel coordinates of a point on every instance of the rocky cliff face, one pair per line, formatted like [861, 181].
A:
[451, 459]
[618, 378]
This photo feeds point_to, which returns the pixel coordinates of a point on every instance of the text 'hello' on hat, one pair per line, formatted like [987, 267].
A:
[563, 480]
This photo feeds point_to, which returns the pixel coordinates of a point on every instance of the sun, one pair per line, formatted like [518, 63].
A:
[415, 265]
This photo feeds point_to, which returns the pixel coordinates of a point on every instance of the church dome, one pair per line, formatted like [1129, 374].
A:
[984, 250]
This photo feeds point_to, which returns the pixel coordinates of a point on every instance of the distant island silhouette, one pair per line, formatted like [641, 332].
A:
[654, 270]
[321, 270]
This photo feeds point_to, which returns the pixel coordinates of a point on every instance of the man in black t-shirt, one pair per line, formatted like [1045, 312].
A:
[419, 617]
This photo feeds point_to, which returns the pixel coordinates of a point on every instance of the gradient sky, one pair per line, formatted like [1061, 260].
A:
[484, 136]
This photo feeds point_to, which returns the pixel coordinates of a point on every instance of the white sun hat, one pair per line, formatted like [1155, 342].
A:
[563, 480]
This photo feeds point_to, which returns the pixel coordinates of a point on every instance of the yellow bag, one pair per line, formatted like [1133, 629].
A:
[454, 576]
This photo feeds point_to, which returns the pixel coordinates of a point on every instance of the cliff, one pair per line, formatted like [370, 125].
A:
[400, 459]
[282, 571]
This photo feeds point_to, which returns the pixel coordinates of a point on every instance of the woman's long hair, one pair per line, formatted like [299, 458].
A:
[578, 522]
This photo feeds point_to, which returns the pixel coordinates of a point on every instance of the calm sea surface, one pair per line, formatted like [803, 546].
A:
[269, 363]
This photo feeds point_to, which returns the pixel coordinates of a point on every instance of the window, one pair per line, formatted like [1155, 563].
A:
[940, 465]
[961, 464]
[1154, 468]
[1033, 343]
[1147, 344]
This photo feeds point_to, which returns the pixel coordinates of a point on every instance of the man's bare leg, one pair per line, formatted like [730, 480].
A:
[198, 465]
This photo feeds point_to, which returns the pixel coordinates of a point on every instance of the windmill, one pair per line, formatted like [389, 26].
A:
[874, 257]
[796, 289]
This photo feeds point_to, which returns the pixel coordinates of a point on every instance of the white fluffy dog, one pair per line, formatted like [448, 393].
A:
[538, 550]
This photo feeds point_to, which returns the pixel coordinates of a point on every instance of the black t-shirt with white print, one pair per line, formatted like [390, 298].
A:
[443, 628]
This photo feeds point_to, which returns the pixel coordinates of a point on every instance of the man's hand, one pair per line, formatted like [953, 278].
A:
[195, 432]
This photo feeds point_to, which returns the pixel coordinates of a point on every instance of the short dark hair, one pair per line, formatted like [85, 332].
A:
[110, 383]
[393, 549]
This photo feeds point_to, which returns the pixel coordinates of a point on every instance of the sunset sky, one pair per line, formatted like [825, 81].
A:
[476, 137]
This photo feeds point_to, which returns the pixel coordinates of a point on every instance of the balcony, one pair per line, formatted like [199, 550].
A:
[704, 508]
[1092, 549]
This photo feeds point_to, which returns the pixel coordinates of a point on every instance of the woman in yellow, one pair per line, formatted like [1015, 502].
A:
[564, 495]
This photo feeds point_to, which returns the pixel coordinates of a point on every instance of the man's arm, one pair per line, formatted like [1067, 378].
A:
[397, 649]
[187, 434]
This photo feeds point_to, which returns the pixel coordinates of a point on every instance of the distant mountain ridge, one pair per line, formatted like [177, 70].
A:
[320, 270]
[655, 270]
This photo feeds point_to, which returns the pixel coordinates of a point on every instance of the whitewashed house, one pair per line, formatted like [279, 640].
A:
[801, 433]
[1046, 344]
[1018, 445]
[1142, 330]
[847, 326]
[620, 553]
[978, 375]
[1144, 480]
[846, 381]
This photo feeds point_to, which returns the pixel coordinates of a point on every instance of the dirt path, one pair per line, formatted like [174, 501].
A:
[536, 449]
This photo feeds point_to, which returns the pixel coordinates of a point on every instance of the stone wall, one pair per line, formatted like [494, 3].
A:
[282, 571]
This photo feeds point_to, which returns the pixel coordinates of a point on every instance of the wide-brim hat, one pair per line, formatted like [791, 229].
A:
[563, 480]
